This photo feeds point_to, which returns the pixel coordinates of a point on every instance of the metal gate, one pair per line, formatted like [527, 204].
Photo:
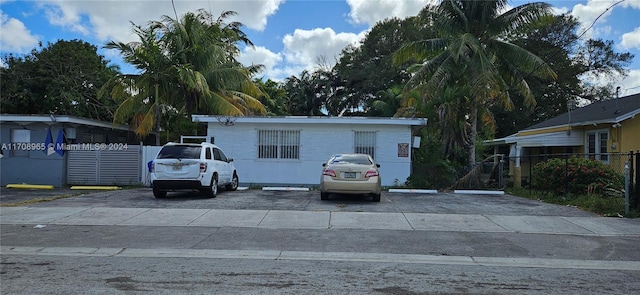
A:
[104, 165]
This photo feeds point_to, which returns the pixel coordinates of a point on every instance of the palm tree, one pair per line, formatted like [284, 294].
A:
[142, 95]
[472, 53]
[187, 66]
[304, 99]
[206, 51]
[393, 102]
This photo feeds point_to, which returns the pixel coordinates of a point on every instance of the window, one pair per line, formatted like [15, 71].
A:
[365, 143]
[20, 136]
[179, 152]
[219, 155]
[597, 145]
[207, 154]
[278, 144]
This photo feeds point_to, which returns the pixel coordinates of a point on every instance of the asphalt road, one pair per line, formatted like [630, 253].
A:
[274, 242]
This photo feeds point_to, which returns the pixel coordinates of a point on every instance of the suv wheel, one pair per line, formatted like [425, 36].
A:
[324, 196]
[159, 194]
[211, 191]
[234, 183]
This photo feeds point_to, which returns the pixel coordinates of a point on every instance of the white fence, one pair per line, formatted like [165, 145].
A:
[148, 154]
[122, 166]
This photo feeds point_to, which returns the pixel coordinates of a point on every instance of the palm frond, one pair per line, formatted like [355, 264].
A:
[419, 50]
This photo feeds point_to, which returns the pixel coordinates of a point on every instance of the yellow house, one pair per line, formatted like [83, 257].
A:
[603, 130]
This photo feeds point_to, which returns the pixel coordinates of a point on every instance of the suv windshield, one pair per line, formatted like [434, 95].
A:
[180, 152]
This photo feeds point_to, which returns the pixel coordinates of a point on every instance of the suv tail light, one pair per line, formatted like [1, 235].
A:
[329, 172]
[371, 173]
[203, 167]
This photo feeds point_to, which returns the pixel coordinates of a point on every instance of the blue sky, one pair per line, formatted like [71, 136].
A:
[290, 35]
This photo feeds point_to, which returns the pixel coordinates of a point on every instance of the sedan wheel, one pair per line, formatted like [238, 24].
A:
[376, 197]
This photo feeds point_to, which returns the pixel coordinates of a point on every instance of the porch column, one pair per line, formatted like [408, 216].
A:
[517, 170]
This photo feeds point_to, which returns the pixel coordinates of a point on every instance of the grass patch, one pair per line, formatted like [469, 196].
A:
[599, 204]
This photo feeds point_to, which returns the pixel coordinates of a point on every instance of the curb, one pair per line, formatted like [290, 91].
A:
[420, 191]
[276, 188]
[478, 192]
[29, 186]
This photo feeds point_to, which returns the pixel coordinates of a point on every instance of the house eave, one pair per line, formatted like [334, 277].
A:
[560, 138]
[311, 120]
[54, 119]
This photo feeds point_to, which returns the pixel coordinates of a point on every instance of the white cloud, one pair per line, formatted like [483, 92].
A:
[15, 37]
[631, 39]
[631, 84]
[111, 20]
[559, 10]
[589, 13]
[310, 48]
[263, 56]
[631, 3]
[596, 13]
[371, 11]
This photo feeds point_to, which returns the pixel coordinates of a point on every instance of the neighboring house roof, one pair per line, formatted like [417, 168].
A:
[53, 119]
[229, 120]
[606, 111]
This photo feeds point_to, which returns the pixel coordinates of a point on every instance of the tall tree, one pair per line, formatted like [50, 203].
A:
[558, 44]
[601, 62]
[274, 97]
[394, 102]
[186, 65]
[61, 78]
[303, 98]
[205, 50]
[143, 95]
[365, 70]
[471, 53]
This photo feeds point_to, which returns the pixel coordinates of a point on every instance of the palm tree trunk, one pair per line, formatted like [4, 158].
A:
[157, 117]
[473, 181]
[473, 117]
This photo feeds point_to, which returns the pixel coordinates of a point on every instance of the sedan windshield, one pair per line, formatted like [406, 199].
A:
[180, 152]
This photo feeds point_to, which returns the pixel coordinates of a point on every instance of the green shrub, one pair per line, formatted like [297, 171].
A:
[430, 170]
[576, 175]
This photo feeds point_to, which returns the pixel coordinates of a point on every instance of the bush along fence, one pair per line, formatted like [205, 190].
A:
[488, 174]
[608, 175]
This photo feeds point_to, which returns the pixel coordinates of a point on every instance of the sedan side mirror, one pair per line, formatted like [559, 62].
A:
[324, 164]
[229, 160]
[378, 165]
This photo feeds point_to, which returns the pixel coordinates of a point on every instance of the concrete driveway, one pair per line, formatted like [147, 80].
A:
[441, 203]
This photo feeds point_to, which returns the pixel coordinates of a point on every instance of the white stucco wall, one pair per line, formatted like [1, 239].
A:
[317, 143]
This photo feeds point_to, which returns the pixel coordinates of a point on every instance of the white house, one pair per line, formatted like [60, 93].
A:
[291, 150]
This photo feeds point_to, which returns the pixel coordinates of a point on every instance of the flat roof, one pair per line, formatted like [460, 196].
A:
[53, 119]
[311, 120]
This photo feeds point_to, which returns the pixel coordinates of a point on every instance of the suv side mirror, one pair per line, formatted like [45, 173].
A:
[229, 160]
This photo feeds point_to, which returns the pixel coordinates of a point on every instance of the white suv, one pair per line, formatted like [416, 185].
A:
[202, 166]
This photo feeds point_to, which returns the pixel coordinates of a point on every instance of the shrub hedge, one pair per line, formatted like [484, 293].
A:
[576, 175]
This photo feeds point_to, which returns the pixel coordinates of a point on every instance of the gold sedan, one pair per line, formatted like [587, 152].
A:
[350, 174]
